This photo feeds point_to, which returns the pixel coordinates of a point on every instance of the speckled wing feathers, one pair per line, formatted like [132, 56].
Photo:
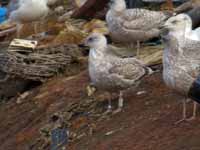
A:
[128, 69]
[143, 19]
[191, 53]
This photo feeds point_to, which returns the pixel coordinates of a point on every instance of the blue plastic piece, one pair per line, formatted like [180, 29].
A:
[3, 14]
[59, 138]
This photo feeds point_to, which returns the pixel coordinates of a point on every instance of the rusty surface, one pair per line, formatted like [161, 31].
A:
[146, 123]
[21, 123]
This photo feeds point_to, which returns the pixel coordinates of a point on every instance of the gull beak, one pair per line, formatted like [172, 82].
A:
[161, 27]
[164, 30]
[83, 43]
[164, 26]
[110, 3]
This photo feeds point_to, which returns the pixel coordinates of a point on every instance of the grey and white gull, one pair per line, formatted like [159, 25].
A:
[133, 25]
[189, 33]
[181, 62]
[23, 11]
[110, 72]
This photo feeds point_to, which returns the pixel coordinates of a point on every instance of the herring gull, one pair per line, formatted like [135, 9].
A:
[189, 33]
[23, 11]
[110, 72]
[133, 25]
[181, 62]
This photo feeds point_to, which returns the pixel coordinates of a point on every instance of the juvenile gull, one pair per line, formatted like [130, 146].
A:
[110, 72]
[24, 11]
[189, 33]
[181, 61]
[133, 25]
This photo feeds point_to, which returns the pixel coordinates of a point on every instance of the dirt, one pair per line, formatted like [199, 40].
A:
[146, 122]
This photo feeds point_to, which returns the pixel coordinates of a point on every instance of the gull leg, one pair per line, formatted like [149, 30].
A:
[132, 45]
[109, 107]
[120, 103]
[138, 48]
[35, 27]
[184, 113]
[194, 112]
[19, 27]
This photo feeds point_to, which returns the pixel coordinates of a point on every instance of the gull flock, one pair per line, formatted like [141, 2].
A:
[114, 73]
[181, 61]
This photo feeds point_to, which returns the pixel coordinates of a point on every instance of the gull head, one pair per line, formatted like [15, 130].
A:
[117, 5]
[96, 41]
[178, 24]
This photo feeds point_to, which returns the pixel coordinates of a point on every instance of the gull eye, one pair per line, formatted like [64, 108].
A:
[185, 18]
[90, 39]
[174, 22]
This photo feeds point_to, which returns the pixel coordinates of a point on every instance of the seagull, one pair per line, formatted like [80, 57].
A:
[187, 24]
[133, 25]
[181, 62]
[24, 11]
[110, 72]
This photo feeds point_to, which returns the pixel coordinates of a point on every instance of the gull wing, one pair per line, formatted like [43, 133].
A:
[190, 50]
[128, 70]
[142, 19]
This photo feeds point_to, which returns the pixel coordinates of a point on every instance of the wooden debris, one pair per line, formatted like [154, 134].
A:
[192, 8]
[7, 28]
[90, 9]
[70, 35]
[7, 31]
[80, 3]
[184, 7]
[23, 43]
[38, 65]
[96, 25]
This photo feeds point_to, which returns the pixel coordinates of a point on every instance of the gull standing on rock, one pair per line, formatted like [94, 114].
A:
[27, 11]
[110, 72]
[133, 25]
[181, 61]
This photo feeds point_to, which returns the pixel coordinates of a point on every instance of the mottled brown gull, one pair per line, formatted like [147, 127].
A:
[28, 11]
[181, 62]
[133, 25]
[110, 72]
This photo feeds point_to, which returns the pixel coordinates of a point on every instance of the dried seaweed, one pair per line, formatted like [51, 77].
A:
[39, 64]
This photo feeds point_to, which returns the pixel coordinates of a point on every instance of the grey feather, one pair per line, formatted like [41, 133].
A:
[131, 25]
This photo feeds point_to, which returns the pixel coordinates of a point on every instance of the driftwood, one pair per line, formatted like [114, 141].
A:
[184, 7]
[192, 8]
[7, 31]
[92, 8]
[39, 64]
[195, 15]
